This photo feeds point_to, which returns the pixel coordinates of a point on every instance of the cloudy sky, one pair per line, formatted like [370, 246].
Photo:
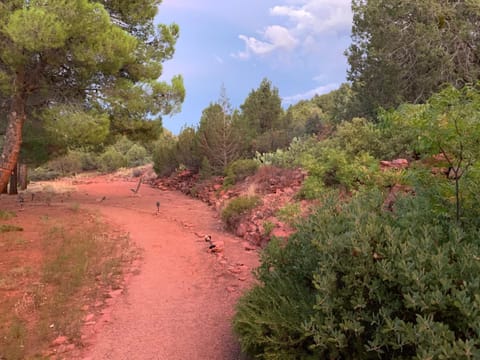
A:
[297, 44]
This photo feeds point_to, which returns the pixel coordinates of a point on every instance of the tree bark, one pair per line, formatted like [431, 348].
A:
[23, 176]
[13, 189]
[13, 135]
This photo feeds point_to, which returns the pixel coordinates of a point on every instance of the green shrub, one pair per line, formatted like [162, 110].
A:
[67, 164]
[206, 170]
[123, 145]
[136, 156]
[239, 170]
[164, 158]
[43, 174]
[111, 160]
[357, 282]
[290, 213]
[236, 208]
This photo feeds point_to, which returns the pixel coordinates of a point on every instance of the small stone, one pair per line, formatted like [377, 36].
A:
[231, 289]
[249, 247]
[59, 341]
[89, 317]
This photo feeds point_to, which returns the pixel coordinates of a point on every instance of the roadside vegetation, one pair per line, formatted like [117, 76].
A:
[49, 280]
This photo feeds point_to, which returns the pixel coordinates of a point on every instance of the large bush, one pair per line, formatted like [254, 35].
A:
[111, 160]
[164, 157]
[357, 282]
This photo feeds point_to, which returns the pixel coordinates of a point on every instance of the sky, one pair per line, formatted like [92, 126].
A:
[298, 45]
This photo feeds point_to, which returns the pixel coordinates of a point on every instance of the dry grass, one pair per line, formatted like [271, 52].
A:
[49, 271]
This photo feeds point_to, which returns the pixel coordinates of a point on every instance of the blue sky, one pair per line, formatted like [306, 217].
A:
[297, 44]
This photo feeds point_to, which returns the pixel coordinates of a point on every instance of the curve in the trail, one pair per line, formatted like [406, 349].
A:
[181, 303]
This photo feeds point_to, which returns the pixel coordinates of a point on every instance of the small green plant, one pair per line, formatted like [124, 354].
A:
[289, 213]
[6, 215]
[268, 227]
[9, 228]
[238, 207]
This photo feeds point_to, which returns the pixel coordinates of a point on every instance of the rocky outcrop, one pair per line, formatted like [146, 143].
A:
[276, 188]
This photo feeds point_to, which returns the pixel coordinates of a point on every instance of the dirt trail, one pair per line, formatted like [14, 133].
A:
[181, 304]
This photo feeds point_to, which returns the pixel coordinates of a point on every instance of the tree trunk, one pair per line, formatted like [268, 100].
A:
[23, 176]
[13, 135]
[13, 189]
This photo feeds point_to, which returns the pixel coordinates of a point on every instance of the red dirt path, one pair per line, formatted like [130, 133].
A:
[181, 303]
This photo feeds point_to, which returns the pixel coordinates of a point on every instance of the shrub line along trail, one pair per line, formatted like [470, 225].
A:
[181, 303]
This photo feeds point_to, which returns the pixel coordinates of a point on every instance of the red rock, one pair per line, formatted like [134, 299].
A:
[247, 246]
[60, 341]
[241, 230]
[89, 317]
[281, 233]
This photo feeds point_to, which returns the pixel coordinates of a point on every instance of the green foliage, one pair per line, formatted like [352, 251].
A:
[238, 207]
[444, 50]
[335, 168]
[290, 157]
[6, 214]
[356, 282]
[164, 156]
[187, 149]
[268, 227]
[72, 128]
[239, 170]
[111, 159]
[88, 69]
[290, 213]
[136, 156]
[218, 138]
[358, 136]
[206, 170]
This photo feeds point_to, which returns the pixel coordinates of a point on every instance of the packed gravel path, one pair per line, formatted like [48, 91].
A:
[181, 302]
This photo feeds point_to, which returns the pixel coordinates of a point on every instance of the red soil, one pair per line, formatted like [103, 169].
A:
[180, 303]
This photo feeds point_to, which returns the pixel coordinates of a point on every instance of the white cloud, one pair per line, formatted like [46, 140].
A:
[276, 38]
[324, 89]
[306, 23]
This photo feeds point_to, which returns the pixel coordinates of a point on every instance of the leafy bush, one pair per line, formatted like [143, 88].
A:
[164, 158]
[239, 170]
[136, 156]
[67, 164]
[111, 160]
[236, 208]
[333, 167]
[357, 282]
[123, 144]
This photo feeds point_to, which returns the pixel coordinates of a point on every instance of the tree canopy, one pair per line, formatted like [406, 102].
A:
[94, 54]
[403, 51]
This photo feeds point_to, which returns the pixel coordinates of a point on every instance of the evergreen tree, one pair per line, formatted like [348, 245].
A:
[85, 52]
[218, 139]
[402, 51]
